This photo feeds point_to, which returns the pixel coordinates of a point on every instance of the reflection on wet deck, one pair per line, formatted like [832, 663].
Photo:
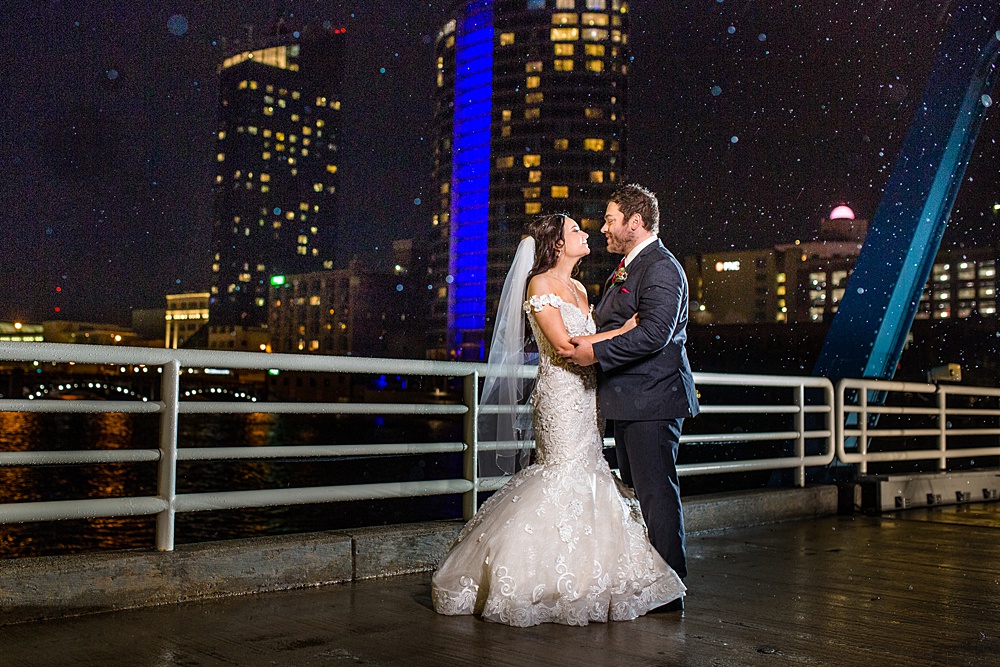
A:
[920, 587]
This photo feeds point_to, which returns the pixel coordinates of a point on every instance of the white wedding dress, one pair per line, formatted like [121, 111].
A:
[563, 541]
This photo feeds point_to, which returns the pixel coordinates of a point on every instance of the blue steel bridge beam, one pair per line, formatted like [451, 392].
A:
[867, 334]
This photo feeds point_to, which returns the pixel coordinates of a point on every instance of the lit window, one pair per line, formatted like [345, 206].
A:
[532, 160]
[533, 66]
[595, 34]
[595, 65]
[532, 114]
[265, 178]
[532, 193]
[560, 191]
[565, 19]
[564, 65]
[597, 177]
[289, 215]
[532, 207]
[563, 49]
[506, 39]
[317, 187]
[505, 114]
[267, 133]
[306, 130]
[590, 112]
[533, 82]
[505, 131]
[332, 168]
[594, 19]
[268, 111]
[600, 5]
[595, 49]
[320, 123]
[565, 4]
[533, 98]
[243, 84]
[561, 144]
[593, 144]
[565, 34]
[220, 157]
[505, 162]
[614, 146]
[535, 176]
[314, 300]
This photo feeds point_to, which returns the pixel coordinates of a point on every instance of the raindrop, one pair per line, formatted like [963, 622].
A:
[381, 70]
[177, 25]
[734, 139]
[761, 37]
[987, 101]
[449, 279]
[399, 288]
[417, 201]
[113, 74]
[277, 211]
[731, 30]
[716, 91]
[861, 290]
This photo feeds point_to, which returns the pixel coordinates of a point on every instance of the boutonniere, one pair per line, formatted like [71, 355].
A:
[621, 275]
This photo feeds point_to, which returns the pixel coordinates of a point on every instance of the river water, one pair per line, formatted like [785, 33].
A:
[53, 432]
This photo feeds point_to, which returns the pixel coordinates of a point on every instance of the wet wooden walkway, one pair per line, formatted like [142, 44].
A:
[918, 588]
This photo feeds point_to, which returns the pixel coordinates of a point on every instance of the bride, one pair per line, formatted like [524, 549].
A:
[563, 541]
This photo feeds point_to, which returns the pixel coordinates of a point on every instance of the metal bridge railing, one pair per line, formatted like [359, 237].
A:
[791, 400]
[879, 421]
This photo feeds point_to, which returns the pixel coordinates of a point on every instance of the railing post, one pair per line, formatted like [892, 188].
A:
[166, 478]
[942, 405]
[863, 423]
[470, 460]
[800, 441]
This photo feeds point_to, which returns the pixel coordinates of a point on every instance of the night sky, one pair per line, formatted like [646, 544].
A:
[750, 119]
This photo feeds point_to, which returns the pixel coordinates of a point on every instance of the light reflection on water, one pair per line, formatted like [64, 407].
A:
[54, 432]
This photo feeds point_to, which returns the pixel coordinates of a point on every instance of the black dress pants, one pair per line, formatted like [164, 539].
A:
[647, 460]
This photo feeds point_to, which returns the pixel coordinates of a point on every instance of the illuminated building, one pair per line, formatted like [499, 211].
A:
[805, 281]
[21, 332]
[185, 315]
[276, 166]
[87, 333]
[347, 311]
[530, 119]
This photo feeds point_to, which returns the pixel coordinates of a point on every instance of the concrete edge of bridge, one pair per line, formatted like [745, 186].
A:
[48, 587]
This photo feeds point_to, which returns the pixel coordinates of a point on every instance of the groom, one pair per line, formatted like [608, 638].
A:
[644, 379]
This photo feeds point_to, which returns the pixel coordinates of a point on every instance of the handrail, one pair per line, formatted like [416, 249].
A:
[805, 397]
[858, 430]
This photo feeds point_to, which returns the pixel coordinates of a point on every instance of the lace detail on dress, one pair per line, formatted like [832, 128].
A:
[563, 541]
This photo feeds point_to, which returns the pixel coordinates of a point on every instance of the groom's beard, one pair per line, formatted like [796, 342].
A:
[620, 244]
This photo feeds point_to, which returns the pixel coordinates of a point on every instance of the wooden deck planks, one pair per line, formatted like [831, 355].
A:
[917, 588]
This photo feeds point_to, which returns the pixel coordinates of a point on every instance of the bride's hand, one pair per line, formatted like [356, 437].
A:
[632, 323]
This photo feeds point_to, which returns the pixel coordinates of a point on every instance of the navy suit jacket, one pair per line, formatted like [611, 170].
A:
[644, 374]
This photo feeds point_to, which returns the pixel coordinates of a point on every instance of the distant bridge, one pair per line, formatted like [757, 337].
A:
[95, 389]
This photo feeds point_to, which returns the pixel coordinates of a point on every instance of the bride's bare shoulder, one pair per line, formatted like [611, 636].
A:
[542, 284]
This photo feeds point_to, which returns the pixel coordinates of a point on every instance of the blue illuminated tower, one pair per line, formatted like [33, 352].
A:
[530, 119]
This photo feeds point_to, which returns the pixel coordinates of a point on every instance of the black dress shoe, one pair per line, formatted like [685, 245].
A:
[673, 605]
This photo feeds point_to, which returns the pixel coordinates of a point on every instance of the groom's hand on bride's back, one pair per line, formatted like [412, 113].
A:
[582, 353]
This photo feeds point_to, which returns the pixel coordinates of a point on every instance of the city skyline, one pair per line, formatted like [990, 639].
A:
[751, 122]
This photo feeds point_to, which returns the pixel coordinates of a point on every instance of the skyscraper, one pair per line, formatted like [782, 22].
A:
[276, 180]
[530, 119]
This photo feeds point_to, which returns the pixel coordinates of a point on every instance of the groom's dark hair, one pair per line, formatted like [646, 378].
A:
[632, 199]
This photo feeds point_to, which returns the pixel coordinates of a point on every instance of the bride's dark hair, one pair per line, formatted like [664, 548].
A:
[548, 232]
